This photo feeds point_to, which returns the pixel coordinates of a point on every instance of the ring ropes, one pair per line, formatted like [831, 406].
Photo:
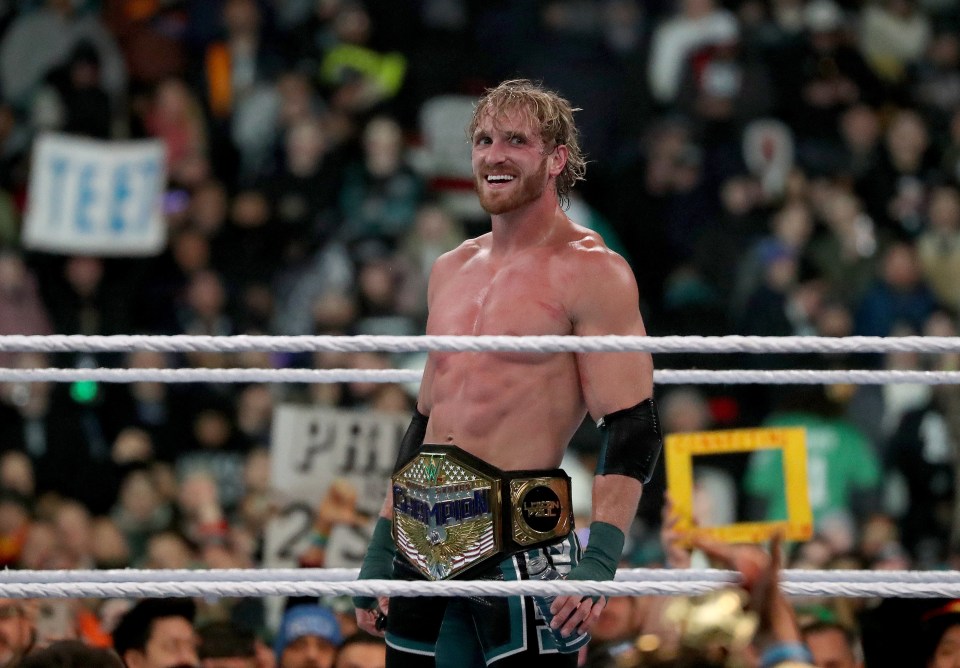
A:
[337, 582]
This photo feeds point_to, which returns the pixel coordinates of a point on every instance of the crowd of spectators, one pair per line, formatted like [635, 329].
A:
[768, 167]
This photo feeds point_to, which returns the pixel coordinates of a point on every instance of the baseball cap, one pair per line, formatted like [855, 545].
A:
[307, 620]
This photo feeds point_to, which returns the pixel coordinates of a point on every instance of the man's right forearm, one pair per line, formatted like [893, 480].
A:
[378, 561]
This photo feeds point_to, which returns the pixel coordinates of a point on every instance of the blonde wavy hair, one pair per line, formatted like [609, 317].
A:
[551, 112]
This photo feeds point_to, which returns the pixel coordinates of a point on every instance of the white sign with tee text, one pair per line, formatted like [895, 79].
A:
[94, 197]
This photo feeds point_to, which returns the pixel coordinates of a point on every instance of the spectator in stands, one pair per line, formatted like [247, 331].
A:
[860, 131]
[109, 547]
[22, 311]
[176, 118]
[73, 525]
[204, 307]
[18, 630]
[435, 231]
[847, 252]
[823, 77]
[71, 654]
[894, 34]
[248, 249]
[897, 296]
[832, 645]
[226, 645]
[357, 77]
[790, 231]
[158, 633]
[938, 247]
[940, 639]
[73, 101]
[308, 637]
[380, 193]
[305, 193]
[362, 650]
[615, 631]
[38, 41]
[697, 23]
[843, 468]
[935, 80]
[919, 452]
[895, 191]
[722, 89]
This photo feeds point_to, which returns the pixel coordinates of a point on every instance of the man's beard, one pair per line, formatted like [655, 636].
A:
[530, 189]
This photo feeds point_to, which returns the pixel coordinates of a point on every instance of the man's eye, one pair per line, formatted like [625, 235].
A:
[482, 140]
[516, 141]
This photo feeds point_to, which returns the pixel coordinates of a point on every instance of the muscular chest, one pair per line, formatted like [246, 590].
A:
[514, 301]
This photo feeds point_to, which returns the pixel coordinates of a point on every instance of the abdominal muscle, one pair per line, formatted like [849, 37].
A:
[513, 411]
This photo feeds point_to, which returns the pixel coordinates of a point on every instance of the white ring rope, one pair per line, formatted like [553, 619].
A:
[242, 575]
[535, 344]
[306, 587]
[337, 582]
[662, 376]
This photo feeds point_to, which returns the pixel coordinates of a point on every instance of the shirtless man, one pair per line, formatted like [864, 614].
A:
[535, 273]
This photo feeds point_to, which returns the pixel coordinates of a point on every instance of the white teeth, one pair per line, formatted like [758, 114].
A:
[499, 178]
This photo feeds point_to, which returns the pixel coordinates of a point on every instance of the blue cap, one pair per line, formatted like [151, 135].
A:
[307, 620]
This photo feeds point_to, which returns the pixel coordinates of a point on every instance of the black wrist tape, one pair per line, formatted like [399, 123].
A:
[412, 439]
[630, 441]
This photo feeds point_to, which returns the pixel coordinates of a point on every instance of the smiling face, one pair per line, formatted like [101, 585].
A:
[511, 165]
[532, 119]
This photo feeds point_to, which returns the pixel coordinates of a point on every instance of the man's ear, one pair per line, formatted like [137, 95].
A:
[558, 159]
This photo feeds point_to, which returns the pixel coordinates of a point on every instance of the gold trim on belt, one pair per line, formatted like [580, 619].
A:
[453, 512]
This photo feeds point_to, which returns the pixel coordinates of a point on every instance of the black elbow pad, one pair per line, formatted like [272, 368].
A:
[630, 441]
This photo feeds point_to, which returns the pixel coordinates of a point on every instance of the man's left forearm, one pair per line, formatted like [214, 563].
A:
[615, 500]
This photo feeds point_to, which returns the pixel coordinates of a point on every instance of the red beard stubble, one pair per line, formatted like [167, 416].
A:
[530, 189]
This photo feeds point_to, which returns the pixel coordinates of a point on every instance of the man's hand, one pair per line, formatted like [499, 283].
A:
[574, 615]
[374, 621]
[673, 542]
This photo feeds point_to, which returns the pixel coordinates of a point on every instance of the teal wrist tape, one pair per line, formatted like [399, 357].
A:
[378, 561]
[602, 555]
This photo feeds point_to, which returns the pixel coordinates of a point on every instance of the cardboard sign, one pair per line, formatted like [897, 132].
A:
[313, 446]
[791, 441]
[93, 197]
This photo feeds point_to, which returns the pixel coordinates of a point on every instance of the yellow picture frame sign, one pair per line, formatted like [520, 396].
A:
[681, 449]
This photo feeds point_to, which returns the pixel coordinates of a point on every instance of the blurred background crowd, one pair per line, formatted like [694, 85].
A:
[767, 167]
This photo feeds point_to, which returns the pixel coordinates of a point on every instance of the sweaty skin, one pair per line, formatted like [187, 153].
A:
[535, 273]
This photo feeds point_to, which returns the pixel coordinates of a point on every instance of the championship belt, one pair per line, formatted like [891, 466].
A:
[453, 512]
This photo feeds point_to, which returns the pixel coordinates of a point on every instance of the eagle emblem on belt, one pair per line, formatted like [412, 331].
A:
[440, 550]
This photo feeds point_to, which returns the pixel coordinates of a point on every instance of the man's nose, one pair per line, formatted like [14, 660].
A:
[496, 153]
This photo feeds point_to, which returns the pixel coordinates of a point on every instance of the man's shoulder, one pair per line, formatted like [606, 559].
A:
[468, 248]
[587, 248]
[457, 257]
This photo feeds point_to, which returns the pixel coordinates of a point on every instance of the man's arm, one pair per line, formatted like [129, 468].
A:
[617, 387]
[378, 560]
[609, 303]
